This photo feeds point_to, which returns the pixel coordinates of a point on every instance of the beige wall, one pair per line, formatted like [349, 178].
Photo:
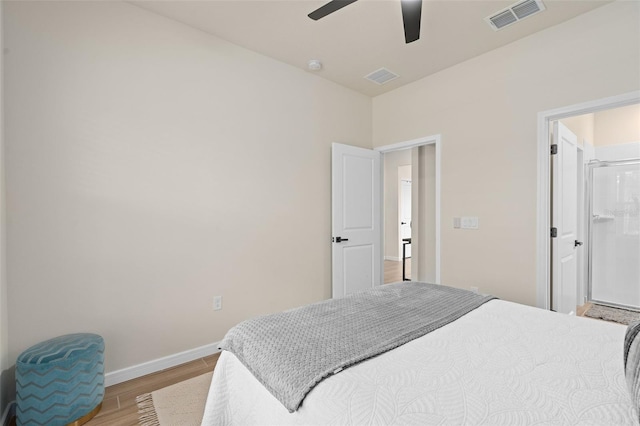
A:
[392, 160]
[426, 239]
[486, 111]
[151, 167]
[610, 127]
[617, 126]
[5, 363]
[582, 126]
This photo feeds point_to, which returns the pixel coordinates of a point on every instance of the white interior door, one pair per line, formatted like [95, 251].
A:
[405, 214]
[564, 265]
[356, 219]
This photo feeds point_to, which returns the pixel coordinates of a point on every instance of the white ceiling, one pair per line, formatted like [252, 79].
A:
[365, 35]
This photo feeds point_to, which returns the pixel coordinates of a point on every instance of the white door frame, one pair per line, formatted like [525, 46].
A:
[400, 209]
[580, 235]
[543, 222]
[436, 140]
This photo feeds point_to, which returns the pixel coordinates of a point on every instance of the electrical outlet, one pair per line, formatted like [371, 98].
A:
[475, 289]
[217, 303]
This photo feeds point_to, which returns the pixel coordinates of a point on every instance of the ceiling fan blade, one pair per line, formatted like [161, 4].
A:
[411, 14]
[328, 8]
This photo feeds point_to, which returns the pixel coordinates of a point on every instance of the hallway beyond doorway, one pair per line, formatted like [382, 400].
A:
[393, 270]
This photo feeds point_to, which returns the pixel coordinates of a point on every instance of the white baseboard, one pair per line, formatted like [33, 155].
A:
[159, 364]
[395, 259]
[9, 412]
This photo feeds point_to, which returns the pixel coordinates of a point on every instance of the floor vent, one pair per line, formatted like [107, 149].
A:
[514, 13]
[381, 76]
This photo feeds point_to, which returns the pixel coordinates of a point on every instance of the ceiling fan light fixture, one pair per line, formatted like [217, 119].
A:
[329, 8]
[411, 15]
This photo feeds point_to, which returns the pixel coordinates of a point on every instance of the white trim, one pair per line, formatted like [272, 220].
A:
[394, 258]
[159, 364]
[408, 144]
[543, 191]
[437, 141]
[438, 148]
[9, 412]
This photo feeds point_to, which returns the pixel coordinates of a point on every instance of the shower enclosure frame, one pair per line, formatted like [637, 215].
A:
[596, 164]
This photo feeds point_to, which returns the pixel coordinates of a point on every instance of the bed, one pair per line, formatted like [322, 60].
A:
[500, 363]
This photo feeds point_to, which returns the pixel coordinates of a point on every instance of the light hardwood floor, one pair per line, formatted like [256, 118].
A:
[119, 406]
[580, 310]
[393, 271]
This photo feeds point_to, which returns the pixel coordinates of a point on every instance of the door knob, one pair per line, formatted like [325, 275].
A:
[340, 239]
[577, 243]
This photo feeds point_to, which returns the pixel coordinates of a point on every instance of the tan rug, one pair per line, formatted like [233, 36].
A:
[181, 404]
[607, 313]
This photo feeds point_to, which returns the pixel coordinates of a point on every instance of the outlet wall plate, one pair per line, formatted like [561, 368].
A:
[217, 303]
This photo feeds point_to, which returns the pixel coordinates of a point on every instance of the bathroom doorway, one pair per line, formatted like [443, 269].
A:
[604, 267]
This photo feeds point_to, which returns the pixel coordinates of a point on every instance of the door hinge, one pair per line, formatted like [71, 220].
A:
[554, 149]
[554, 232]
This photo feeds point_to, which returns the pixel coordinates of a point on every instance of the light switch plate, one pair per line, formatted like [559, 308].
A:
[471, 222]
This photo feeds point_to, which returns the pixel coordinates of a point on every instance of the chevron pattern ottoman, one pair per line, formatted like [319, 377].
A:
[60, 381]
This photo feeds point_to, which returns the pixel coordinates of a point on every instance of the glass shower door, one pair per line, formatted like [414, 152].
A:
[614, 255]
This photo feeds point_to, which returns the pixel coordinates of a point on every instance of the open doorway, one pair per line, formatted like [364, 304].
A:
[588, 123]
[397, 215]
[608, 191]
[404, 215]
[357, 213]
[411, 237]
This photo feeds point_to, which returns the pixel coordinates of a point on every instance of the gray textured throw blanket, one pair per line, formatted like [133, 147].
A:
[292, 351]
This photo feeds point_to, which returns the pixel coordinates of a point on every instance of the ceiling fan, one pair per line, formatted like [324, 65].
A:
[411, 12]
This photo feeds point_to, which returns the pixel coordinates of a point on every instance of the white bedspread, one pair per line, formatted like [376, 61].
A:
[502, 363]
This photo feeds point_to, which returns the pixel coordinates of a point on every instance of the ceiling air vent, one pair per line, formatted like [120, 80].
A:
[381, 76]
[527, 8]
[514, 13]
[503, 19]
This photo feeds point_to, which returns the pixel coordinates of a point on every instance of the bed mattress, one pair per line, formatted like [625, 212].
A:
[502, 363]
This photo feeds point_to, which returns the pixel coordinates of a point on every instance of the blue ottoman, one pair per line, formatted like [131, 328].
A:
[60, 381]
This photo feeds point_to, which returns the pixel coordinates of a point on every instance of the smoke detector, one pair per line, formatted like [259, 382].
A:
[314, 65]
[514, 13]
